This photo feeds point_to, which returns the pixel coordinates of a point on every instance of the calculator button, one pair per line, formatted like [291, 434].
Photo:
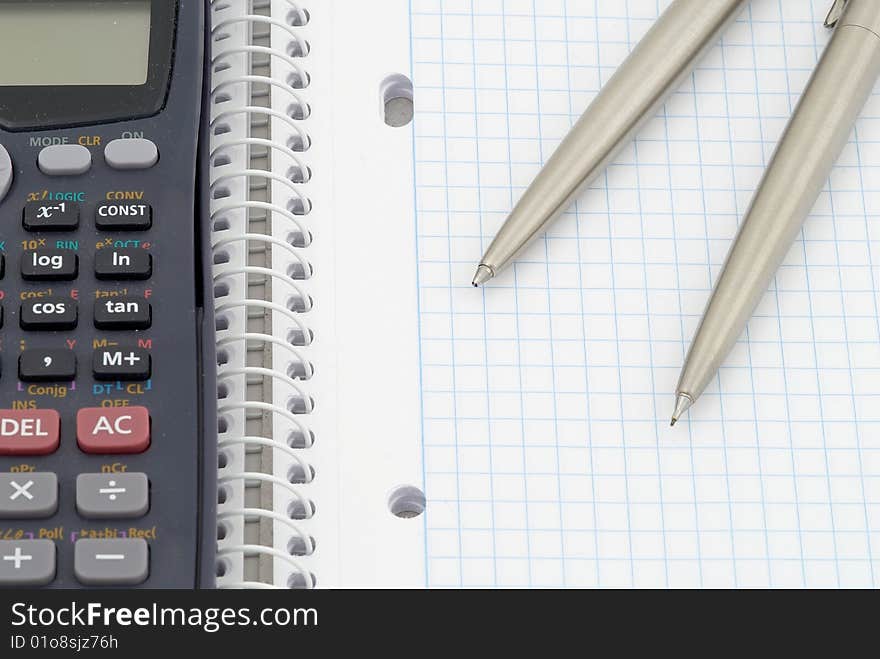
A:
[121, 364]
[123, 216]
[47, 366]
[49, 265]
[27, 562]
[6, 172]
[131, 154]
[123, 313]
[120, 562]
[41, 216]
[50, 313]
[65, 160]
[29, 432]
[28, 495]
[101, 430]
[123, 264]
[112, 496]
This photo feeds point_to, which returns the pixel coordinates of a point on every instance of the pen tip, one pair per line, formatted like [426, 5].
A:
[683, 403]
[483, 276]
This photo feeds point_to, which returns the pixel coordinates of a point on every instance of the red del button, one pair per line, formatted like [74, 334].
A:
[113, 431]
[29, 432]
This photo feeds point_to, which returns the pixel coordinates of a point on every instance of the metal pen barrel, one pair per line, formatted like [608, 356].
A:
[656, 67]
[812, 143]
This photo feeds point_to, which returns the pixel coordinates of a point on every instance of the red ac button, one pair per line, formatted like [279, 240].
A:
[106, 431]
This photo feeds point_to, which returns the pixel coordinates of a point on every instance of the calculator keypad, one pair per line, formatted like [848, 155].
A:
[100, 322]
[44, 361]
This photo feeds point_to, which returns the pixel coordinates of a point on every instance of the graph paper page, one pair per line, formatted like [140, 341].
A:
[549, 460]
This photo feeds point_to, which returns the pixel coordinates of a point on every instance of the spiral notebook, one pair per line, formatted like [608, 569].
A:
[320, 449]
[359, 369]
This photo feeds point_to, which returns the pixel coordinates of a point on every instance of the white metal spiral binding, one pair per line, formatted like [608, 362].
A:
[259, 89]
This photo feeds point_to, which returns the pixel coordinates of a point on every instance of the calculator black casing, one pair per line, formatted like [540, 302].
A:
[181, 462]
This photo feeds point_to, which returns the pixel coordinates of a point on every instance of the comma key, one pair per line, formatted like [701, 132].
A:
[38, 365]
[29, 432]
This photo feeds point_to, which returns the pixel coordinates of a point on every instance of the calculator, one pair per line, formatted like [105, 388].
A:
[107, 370]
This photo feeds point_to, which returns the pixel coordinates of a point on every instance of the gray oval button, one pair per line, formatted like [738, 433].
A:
[131, 154]
[5, 172]
[65, 160]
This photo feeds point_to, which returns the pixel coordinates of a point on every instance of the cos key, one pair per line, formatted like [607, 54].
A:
[49, 314]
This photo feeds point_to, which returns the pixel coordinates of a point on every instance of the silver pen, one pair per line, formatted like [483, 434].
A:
[812, 143]
[656, 67]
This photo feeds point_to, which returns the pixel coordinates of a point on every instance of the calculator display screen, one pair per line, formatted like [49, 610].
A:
[74, 42]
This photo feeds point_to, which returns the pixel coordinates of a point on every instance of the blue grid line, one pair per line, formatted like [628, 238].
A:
[819, 386]
[485, 324]
[549, 302]
[852, 369]
[418, 295]
[581, 310]
[608, 219]
[452, 337]
[526, 516]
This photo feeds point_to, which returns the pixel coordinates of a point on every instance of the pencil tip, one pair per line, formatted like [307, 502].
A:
[683, 403]
[484, 275]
